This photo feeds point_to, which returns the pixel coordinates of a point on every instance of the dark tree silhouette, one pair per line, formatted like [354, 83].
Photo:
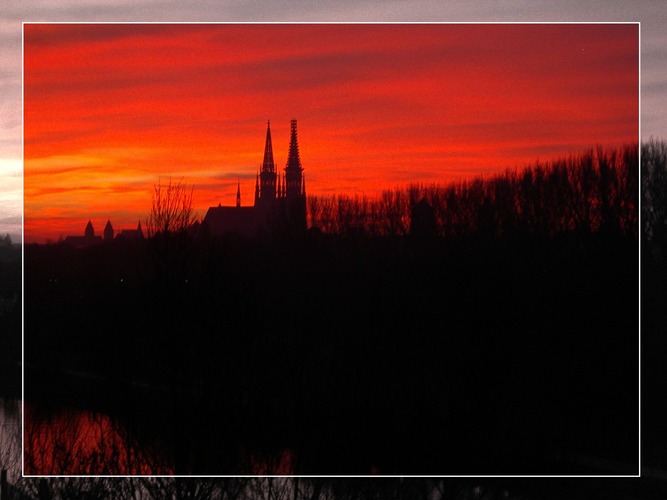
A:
[170, 219]
[505, 345]
[594, 191]
[171, 208]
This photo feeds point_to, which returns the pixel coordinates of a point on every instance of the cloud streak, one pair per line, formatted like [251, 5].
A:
[109, 105]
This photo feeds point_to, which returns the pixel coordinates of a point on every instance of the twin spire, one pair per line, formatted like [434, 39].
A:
[269, 185]
[293, 159]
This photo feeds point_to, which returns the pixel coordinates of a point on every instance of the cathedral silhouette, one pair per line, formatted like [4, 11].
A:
[280, 201]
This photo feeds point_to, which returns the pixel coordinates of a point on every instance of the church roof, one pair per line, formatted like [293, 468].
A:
[239, 220]
[131, 234]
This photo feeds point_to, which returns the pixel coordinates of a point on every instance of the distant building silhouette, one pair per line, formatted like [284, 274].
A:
[279, 206]
[132, 234]
[108, 231]
[89, 239]
[280, 202]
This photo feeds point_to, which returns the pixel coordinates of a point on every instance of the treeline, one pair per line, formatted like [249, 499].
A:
[594, 191]
[356, 355]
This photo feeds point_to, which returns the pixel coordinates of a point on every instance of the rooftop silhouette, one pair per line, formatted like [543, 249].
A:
[89, 237]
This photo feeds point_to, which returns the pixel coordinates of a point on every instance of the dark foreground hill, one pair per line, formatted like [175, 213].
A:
[350, 354]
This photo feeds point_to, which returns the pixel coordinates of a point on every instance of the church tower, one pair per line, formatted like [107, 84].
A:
[267, 176]
[108, 231]
[89, 232]
[294, 187]
[293, 170]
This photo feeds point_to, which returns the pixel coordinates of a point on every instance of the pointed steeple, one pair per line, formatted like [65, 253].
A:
[89, 231]
[267, 175]
[108, 231]
[293, 170]
[238, 193]
[293, 160]
[267, 164]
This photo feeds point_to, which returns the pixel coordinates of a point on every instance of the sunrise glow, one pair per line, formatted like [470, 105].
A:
[110, 109]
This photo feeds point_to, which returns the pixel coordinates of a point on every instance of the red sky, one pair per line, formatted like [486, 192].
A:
[111, 108]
